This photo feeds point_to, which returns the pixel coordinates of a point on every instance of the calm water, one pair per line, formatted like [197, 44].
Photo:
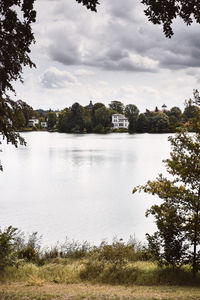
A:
[80, 185]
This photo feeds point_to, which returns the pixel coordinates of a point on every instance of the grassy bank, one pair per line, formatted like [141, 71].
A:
[54, 291]
[89, 279]
[68, 271]
[81, 271]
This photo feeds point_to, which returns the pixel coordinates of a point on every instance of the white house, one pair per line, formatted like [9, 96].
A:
[33, 122]
[43, 124]
[119, 121]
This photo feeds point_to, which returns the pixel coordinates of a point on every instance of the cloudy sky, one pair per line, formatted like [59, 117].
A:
[115, 54]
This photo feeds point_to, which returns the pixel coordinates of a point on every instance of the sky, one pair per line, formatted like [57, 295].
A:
[114, 54]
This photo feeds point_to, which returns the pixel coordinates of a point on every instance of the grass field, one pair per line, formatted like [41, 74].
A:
[116, 271]
[19, 291]
[61, 279]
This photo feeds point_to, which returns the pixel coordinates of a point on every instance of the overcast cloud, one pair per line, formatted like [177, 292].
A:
[77, 49]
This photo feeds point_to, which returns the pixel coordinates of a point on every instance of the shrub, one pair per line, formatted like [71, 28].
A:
[30, 250]
[8, 241]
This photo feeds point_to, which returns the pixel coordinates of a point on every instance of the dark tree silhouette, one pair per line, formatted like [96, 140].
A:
[165, 11]
[90, 4]
[16, 18]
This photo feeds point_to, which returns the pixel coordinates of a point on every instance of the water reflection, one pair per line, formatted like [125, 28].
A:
[80, 185]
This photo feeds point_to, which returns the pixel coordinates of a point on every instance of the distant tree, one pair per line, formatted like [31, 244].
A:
[156, 109]
[19, 120]
[71, 119]
[77, 117]
[94, 108]
[52, 119]
[117, 106]
[176, 112]
[142, 123]
[159, 122]
[175, 118]
[64, 124]
[132, 112]
[102, 116]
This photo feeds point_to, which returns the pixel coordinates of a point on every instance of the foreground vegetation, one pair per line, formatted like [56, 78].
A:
[131, 263]
[73, 279]
[82, 291]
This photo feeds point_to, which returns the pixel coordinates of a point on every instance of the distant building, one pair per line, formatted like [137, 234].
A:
[57, 113]
[43, 124]
[164, 107]
[32, 122]
[119, 121]
[90, 105]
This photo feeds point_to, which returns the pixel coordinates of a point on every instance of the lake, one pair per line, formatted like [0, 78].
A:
[80, 186]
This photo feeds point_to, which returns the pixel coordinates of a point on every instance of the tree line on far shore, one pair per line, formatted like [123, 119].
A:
[97, 118]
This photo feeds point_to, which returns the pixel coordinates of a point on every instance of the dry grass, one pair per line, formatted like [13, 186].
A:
[19, 291]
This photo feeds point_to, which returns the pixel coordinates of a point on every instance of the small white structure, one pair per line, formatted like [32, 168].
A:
[57, 113]
[32, 122]
[43, 124]
[119, 121]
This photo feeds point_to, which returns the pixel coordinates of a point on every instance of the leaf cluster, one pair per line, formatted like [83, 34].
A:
[90, 4]
[16, 36]
[9, 109]
[165, 11]
[178, 216]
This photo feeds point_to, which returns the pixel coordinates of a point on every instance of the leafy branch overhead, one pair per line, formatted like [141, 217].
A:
[16, 36]
[90, 4]
[163, 11]
[9, 111]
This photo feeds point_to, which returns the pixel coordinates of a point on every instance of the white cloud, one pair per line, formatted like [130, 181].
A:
[52, 78]
[117, 46]
[83, 72]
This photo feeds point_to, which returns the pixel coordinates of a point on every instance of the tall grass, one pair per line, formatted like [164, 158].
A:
[73, 262]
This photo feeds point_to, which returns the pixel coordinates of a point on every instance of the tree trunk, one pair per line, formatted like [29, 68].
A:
[194, 263]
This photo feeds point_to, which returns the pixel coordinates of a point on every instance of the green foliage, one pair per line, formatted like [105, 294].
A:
[16, 18]
[52, 119]
[132, 112]
[102, 116]
[7, 247]
[142, 123]
[12, 119]
[30, 250]
[178, 218]
[117, 106]
[158, 122]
